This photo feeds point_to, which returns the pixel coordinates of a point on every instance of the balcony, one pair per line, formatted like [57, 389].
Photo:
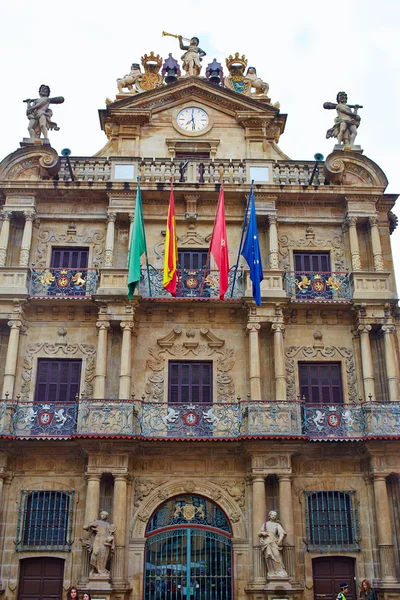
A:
[63, 283]
[239, 420]
[202, 284]
[318, 287]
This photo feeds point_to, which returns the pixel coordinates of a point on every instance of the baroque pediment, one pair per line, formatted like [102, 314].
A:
[141, 108]
[352, 168]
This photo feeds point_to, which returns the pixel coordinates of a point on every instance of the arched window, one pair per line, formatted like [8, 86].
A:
[188, 551]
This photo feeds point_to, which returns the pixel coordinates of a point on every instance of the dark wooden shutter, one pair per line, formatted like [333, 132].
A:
[69, 258]
[190, 382]
[321, 383]
[318, 262]
[41, 579]
[57, 380]
[192, 260]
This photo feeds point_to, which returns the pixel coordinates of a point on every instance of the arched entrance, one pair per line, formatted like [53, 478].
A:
[41, 578]
[188, 551]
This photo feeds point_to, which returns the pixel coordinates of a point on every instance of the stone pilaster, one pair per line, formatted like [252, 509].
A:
[279, 361]
[366, 362]
[351, 223]
[92, 509]
[273, 243]
[126, 360]
[385, 534]
[286, 519]
[119, 520]
[26, 238]
[390, 360]
[99, 384]
[376, 243]
[259, 508]
[110, 236]
[4, 235]
[10, 368]
[254, 361]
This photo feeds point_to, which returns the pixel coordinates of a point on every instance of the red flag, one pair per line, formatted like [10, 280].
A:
[219, 245]
[171, 248]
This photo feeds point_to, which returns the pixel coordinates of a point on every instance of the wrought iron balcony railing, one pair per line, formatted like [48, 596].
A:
[61, 283]
[310, 285]
[203, 283]
[182, 421]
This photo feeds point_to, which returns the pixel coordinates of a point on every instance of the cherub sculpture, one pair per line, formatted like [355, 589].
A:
[40, 115]
[128, 81]
[347, 121]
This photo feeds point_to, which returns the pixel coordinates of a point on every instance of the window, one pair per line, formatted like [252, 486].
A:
[332, 520]
[192, 274]
[192, 259]
[309, 261]
[57, 380]
[69, 258]
[45, 520]
[321, 383]
[190, 382]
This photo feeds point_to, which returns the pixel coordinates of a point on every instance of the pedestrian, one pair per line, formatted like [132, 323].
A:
[86, 596]
[344, 589]
[367, 592]
[72, 594]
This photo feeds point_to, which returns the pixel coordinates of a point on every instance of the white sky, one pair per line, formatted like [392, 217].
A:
[306, 50]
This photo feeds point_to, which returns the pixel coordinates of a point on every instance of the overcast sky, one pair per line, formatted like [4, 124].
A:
[306, 50]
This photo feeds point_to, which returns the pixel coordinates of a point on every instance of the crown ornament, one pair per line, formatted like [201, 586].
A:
[236, 60]
[151, 59]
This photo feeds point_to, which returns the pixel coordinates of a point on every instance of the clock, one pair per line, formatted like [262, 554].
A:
[192, 119]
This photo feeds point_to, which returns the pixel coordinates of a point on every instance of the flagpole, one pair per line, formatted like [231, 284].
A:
[212, 235]
[241, 237]
[147, 258]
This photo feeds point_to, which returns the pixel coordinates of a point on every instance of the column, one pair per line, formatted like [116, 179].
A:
[354, 247]
[109, 253]
[366, 362]
[91, 514]
[254, 361]
[11, 358]
[99, 384]
[385, 535]
[26, 238]
[286, 519]
[119, 520]
[390, 361]
[4, 236]
[376, 243]
[126, 360]
[279, 361]
[258, 520]
[273, 243]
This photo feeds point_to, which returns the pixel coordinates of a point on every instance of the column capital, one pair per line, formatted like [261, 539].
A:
[127, 325]
[256, 477]
[29, 214]
[16, 325]
[364, 328]
[272, 219]
[93, 476]
[131, 216]
[111, 216]
[103, 325]
[6, 214]
[378, 477]
[284, 477]
[253, 326]
[373, 221]
[278, 327]
[351, 220]
[388, 329]
[121, 477]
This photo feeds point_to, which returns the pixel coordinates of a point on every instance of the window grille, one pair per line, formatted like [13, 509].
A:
[45, 520]
[332, 520]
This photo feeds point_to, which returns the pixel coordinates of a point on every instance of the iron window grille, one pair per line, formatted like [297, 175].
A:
[45, 520]
[332, 520]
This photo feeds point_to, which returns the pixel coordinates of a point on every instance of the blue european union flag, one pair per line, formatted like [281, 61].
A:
[251, 252]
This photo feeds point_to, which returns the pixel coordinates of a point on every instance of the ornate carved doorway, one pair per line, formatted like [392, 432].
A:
[188, 552]
[329, 572]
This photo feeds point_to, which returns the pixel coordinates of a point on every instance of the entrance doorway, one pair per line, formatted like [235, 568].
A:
[188, 552]
[329, 572]
[41, 579]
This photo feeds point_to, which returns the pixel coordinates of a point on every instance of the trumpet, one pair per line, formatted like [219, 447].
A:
[175, 35]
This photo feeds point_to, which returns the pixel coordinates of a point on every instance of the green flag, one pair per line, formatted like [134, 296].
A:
[137, 245]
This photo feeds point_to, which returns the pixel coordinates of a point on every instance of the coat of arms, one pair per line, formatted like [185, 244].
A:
[189, 511]
[236, 80]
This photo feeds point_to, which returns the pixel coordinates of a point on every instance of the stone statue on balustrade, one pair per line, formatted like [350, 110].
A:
[271, 537]
[100, 545]
[346, 122]
[261, 87]
[128, 81]
[191, 60]
[40, 115]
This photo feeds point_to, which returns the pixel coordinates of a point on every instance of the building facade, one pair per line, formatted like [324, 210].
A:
[189, 419]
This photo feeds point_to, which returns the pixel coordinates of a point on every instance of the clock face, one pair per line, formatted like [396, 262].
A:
[192, 119]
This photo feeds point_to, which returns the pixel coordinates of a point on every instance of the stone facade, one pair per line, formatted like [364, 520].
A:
[264, 446]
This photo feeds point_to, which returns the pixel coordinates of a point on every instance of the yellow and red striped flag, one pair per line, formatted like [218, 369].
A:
[171, 248]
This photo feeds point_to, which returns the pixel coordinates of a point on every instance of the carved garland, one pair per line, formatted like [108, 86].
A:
[47, 236]
[154, 388]
[331, 352]
[52, 348]
[309, 243]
